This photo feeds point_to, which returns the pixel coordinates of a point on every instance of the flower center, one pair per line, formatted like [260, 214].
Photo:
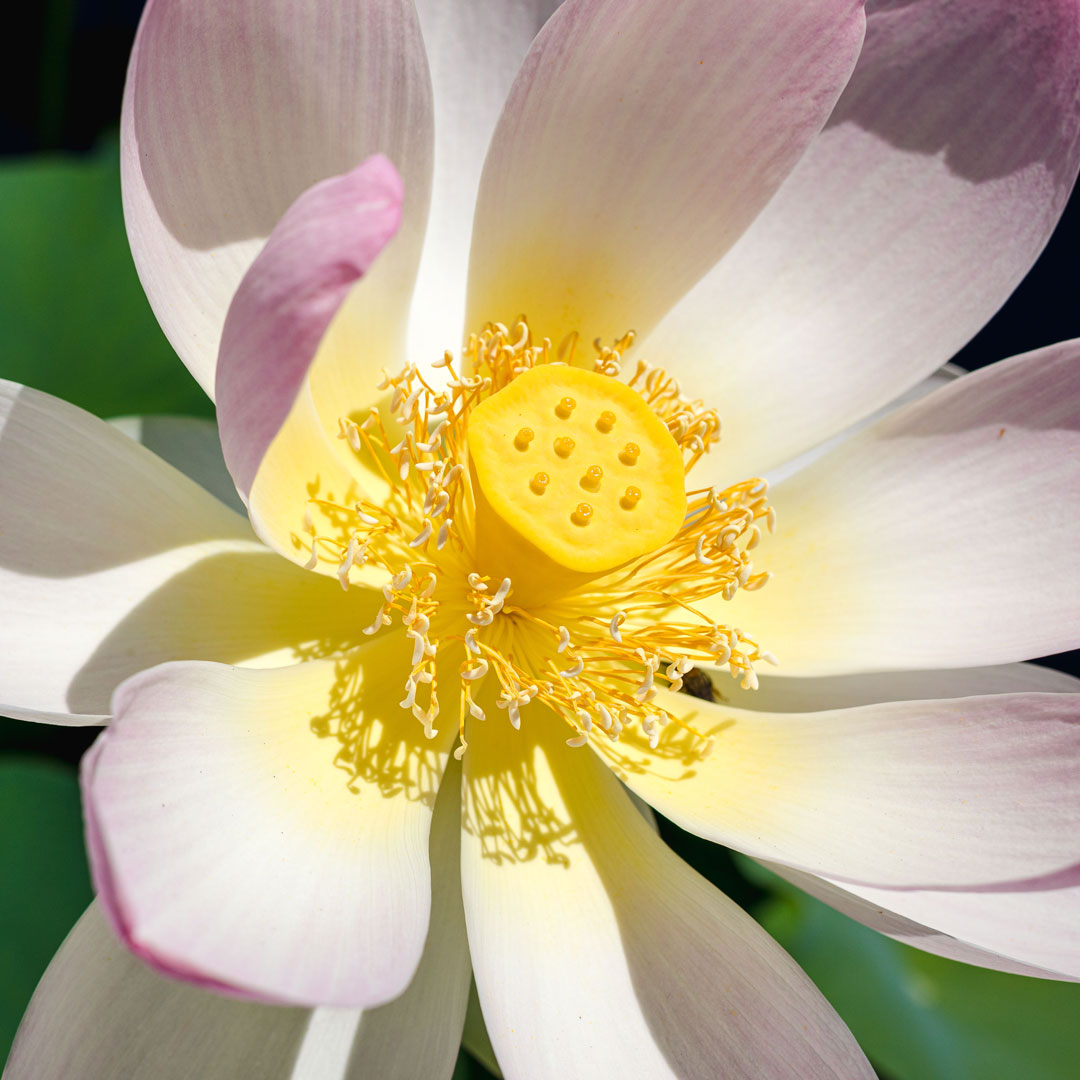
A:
[576, 464]
[539, 528]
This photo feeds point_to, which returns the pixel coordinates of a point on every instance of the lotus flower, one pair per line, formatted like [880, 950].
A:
[395, 734]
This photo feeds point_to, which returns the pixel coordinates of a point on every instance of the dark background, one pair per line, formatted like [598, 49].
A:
[60, 87]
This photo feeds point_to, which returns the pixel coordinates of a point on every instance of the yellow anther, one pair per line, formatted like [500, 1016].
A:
[591, 480]
[582, 514]
[524, 436]
[508, 481]
[631, 497]
[565, 408]
[605, 421]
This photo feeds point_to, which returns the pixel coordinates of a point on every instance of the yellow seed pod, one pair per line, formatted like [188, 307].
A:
[576, 451]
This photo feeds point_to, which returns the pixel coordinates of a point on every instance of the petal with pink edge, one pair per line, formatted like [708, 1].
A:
[598, 952]
[920, 794]
[638, 142]
[933, 188]
[231, 111]
[265, 833]
[942, 536]
[322, 246]
[468, 98]
[99, 1013]
[1025, 927]
[111, 561]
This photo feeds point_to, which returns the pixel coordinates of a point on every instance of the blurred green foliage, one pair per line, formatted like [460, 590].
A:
[45, 884]
[468, 1068]
[918, 1016]
[73, 317]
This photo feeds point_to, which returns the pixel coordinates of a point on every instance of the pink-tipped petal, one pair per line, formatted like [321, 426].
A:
[468, 98]
[323, 245]
[231, 111]
[111, 561]
[598, 952]
[638, 142]
[1024, 927]
[265, 833]
[99, 1013]
[914, 794]
[942, 536]
[931, 191]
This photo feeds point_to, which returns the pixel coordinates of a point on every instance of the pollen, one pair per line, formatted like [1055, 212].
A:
[542, 399]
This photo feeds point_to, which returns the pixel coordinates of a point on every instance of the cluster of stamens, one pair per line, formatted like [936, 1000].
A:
[598, 653]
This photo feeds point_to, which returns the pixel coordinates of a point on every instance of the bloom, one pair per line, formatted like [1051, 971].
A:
[264, 807]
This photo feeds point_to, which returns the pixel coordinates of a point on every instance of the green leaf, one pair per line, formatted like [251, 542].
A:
[45, 884]
[468, 1068]
[76, 322]
[476, 1041]
[918, 1016]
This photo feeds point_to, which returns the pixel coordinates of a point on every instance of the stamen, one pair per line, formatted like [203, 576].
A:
[586, 472]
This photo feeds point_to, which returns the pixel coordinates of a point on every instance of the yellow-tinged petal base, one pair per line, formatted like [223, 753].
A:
[536, 521]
